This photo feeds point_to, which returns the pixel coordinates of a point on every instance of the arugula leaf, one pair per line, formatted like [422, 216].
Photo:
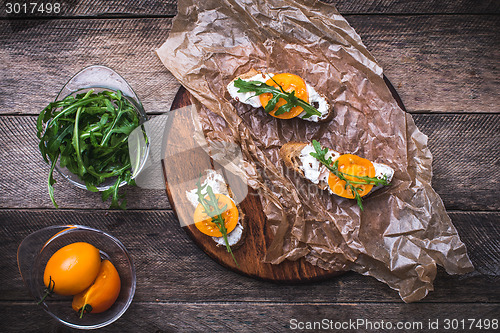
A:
[292, 101]
[88, 134]
[212, 209]
[320, 155]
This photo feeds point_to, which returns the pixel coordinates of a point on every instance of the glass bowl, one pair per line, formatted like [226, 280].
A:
[100, 78]
[36, 249]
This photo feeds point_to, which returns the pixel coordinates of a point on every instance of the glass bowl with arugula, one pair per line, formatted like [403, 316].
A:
[93, 134]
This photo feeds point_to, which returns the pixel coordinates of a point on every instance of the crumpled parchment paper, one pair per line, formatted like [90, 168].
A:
[404, 231]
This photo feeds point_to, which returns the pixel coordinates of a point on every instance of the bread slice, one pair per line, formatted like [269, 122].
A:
[235, 237]
[242, 221]
[291, 153]
[253, 72]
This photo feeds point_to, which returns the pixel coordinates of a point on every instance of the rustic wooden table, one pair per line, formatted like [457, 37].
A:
[442, 57]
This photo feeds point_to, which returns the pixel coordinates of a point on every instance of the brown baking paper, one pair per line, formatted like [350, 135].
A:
[404, 231]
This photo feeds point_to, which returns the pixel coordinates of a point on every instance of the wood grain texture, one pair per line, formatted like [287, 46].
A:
[170, 267]
[465, 149]
[114, 8]
[436, 62]
[24, 175]
[415, 6]
[29, 49]
[251, 317]
[93, 8]
[466, 158]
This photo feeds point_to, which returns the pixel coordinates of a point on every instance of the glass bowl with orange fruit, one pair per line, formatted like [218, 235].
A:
[81, 276]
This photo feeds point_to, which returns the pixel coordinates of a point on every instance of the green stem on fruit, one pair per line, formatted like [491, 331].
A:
[48, 291]
[87, 308]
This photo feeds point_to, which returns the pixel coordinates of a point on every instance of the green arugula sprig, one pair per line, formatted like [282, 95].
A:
[320, 155]
[212, 209]
[88, 134]
[292, 101]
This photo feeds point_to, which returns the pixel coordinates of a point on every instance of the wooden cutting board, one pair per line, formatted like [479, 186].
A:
[258, 235]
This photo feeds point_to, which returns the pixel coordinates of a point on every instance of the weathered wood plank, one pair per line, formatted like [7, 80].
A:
[466, 149]
[171, 268]
[437, 63]
[266, 317]
[29, 49]
[466, 152]
[24, 178]
[113, 8]
[415, 6]
[431, 70]
[92, 8]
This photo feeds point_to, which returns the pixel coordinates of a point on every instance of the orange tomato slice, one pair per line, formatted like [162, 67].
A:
[102, 294]
[204, 222]
[289, 82]
[351, 165]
